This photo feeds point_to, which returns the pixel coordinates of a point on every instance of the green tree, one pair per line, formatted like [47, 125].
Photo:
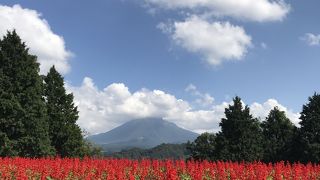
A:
[65, 134]
[278, 132]
[92, 150]
[7, 146]
[310, 130]
[203, 148]
[241, 136]
[23, 118]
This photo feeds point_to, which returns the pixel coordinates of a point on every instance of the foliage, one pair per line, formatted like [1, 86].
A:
[37, 116]
[6, 146]
[203, 148]
[240, 137]
[23, 118]
[309, 133]
[64, 133]
[91, 150]
[163, 151]
[278, 132]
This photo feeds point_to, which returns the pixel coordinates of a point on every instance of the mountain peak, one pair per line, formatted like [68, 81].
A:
[143, 133]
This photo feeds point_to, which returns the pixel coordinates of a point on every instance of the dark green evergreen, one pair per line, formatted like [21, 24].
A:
[240, 138]
[65, 134]
[203, 148]
[278, 132]
[310, 130]
[23, 116]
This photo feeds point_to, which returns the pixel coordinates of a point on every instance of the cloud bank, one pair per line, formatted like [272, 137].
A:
[102, 110]
[36, 32]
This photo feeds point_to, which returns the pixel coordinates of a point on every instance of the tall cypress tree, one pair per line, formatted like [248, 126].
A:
[23, 117]
[310, 130]
[240, 137]
[11, 126]
[278, 133]
[65, 134]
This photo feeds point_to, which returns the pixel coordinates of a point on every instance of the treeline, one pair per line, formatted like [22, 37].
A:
[162, 151]
[245, 138]
[37, 116]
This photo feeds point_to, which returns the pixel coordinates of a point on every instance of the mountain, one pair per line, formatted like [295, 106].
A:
[142, 133]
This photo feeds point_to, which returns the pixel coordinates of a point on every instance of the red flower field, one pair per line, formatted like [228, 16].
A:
[113, 169]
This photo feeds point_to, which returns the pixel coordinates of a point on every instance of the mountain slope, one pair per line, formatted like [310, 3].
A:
[142, 133]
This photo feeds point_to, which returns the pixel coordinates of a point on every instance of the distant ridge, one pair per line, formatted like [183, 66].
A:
[142, 133]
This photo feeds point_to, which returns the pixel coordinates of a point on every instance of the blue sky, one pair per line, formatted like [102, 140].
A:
[122, 42]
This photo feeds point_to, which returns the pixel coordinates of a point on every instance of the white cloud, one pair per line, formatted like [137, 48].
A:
[311, 39]
[216, 42]
[36, 32]
[203, 99]
[262, 110]
[251, 10]
[102, 110]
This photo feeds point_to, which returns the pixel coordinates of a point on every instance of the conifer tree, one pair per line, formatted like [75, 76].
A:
[310, 130]
[23, 118]
[65, 134]
[278, 132]
[240, 137]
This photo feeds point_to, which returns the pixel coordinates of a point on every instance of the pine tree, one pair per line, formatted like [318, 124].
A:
[240, 137]
[23, 118]
[65, 134]
[278, 133]
[310, 130]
